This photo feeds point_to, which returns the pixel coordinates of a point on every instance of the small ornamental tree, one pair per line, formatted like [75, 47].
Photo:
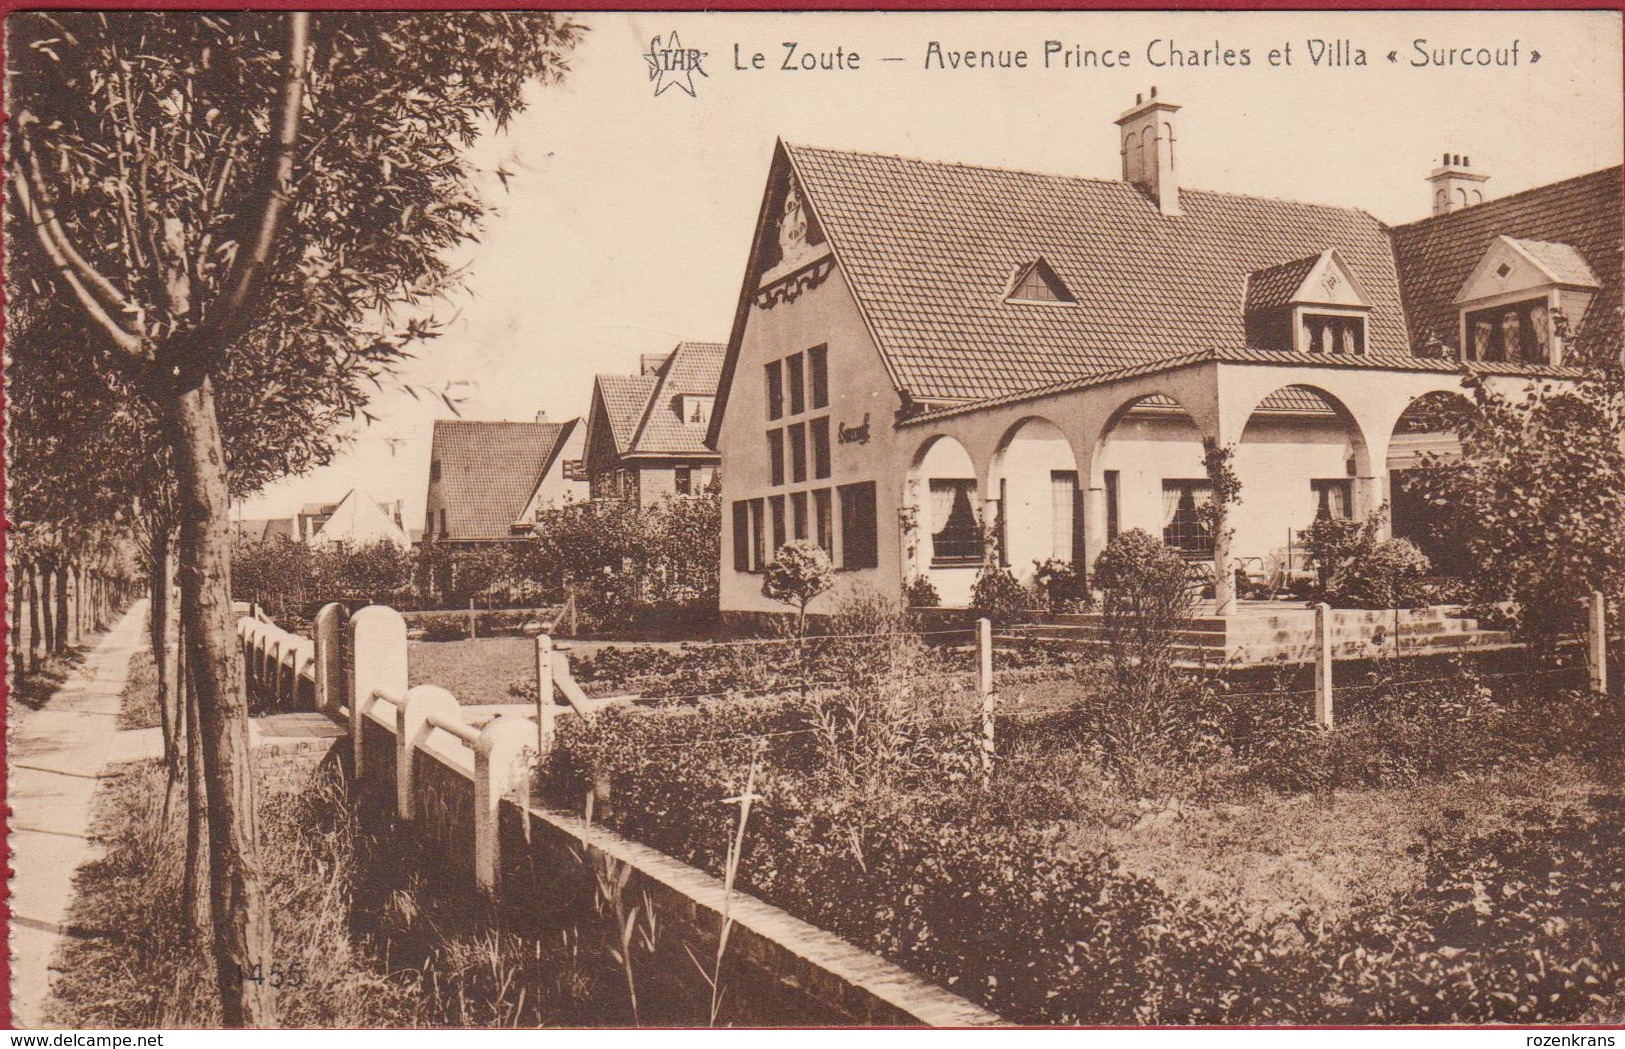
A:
[800, 571]
[1538, 496]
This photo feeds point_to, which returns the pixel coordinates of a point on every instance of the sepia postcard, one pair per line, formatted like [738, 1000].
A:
[929, 519]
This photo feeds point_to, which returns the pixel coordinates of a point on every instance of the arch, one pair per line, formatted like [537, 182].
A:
[1034, 478]
[1425, 428]
[1461, 197]
[943, 518]
[1147, 462]
[1302, 455]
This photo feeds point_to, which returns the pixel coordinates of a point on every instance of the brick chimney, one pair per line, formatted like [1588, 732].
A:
[1456, 185]
[541, 416]
[1148, 150]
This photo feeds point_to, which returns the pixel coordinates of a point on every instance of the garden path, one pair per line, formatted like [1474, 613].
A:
[55, 758]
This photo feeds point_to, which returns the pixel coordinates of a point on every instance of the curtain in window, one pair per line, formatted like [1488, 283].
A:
[943, 494]
[1170, 503]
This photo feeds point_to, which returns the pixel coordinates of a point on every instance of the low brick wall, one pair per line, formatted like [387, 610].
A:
[290, 752]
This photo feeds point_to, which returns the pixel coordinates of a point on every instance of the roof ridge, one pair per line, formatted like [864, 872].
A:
[1081, 178]
[1542, 188]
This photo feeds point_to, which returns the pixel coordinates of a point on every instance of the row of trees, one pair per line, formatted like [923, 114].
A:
[225, 227]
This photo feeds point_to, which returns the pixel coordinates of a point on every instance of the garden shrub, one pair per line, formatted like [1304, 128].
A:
[1060, 587]
[920, 592]
[1389, 574]
[997, 595]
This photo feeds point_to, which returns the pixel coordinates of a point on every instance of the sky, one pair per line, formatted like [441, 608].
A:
[625, 217]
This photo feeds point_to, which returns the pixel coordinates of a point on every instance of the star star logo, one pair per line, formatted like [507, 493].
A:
[672, 65]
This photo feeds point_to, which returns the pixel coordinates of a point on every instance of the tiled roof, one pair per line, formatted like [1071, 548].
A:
[1565, 265]
[1436, 255]
[263, 530]
[1274, 286]
[1296, 400]
[693, 368]
[929, 249]
[488, 471]
[626, 400]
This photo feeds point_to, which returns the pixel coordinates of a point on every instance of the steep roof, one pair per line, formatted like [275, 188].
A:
[488, 471]
[929, 249]
[1274, 286]
[1437, 254]
[626, 401]
[692, 369]
[359, 518]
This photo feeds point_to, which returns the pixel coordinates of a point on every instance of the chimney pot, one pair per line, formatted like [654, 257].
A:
[1466, 162]
[1153, 91]
[1147, 139]
[1138, 98]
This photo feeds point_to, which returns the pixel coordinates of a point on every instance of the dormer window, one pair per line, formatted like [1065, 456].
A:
[1509, 304]
[1037, 283]
[1312, 305]
[696, 411]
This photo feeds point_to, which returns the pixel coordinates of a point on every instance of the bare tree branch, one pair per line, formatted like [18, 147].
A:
[249, 265]
[81, 278]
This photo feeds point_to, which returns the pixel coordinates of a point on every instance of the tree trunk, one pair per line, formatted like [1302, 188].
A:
[19, 661]
[195, 874]
[160, 634]
[242, 927]
[33, 617]
[62, 620]
[47, 612]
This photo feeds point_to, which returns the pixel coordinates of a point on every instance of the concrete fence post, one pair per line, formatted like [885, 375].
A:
[271, 683]
[1323, 665]
[984, 689]
[547, 709]
[501, 767]
[378, 641]
[411, 729]
[329, 658]
[1597, 648]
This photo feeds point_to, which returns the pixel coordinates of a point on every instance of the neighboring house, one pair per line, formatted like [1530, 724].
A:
[357, 519]
[646, 432]
[489, 480]
[945, 363]
[360, 520]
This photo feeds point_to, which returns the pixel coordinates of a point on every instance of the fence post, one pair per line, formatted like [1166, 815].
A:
[471, 619]
[1598, 648]
[1323, 665]
[329, 658]
[547, 711]
[501, 767]
[984, 689]
[378, 642]
[411, 729]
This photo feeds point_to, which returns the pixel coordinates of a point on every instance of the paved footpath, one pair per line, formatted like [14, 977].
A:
[55, 759]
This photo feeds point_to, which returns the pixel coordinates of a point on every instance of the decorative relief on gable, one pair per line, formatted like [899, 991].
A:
[792, 286]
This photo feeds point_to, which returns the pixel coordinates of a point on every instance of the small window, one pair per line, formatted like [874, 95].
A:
[683, 482]
[956, 539]
[820, 446]
[775, 390]
[818, 364]
[1334, 497]
[1182, 526]
[859, 542]
[1520, 331]
[775, 456]
[1038, 283]
[434, 470]
[824, 521]
[781, 534]
[741, 536]
[798, 514]
[1332, 335]
[798, 384]
[798, 453]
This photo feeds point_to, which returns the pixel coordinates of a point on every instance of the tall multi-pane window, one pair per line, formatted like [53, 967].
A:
[1183, 527]
[798, 452]
[818, 365]
[820, 446]
[775, 455]
[775, 390]
[798, 513]
[781, 534]
[798, 384]
[824, 521]
[859, 539]
[683, 481]
[956, 539]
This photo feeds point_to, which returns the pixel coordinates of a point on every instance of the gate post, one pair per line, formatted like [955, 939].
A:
[329, 658]
[1597, 649]
[378, 641]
